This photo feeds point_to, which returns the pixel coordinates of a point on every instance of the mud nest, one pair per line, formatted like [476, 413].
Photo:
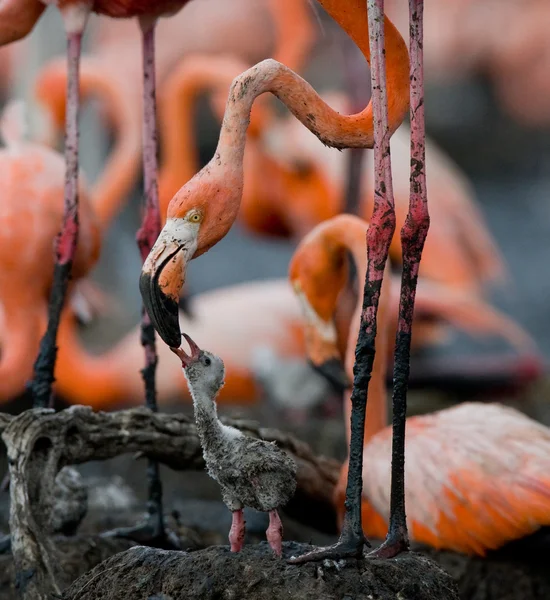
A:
[145, 574]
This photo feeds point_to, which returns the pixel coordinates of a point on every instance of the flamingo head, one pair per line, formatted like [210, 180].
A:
[198, 217]
[317, 275]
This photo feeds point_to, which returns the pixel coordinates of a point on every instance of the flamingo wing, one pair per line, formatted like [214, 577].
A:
[477, 477]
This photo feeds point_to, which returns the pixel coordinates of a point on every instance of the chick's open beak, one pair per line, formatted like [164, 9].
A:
[187, 359]
[324, 356]
[163, 275]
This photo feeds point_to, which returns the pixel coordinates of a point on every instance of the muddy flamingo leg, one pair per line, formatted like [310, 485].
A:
[236, 533]
[380, 233]
[413, 236]
[153, 531]
[75, 18]
[274, 532]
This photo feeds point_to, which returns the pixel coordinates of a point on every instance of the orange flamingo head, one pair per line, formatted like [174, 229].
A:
[198, 217]
[318, 273]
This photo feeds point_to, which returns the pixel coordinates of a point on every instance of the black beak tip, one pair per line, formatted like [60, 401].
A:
[333, 370]
[162, 310]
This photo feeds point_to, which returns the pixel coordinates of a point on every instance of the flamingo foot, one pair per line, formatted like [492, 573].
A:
[274, 532]
[392, 546]
[152, 532]
[349, 545]
[236, 533]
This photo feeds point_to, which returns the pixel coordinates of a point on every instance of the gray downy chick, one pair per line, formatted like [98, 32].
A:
[251, 472]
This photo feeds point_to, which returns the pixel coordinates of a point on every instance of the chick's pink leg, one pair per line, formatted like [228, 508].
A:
[274, 532]
[236, 533]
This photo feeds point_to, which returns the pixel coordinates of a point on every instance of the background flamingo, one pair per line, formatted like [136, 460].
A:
[476, 474]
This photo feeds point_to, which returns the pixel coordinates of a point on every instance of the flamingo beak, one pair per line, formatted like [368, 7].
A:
[323, 354]
[322, 344]
[163, 275]
[187, 359]
[324, 357]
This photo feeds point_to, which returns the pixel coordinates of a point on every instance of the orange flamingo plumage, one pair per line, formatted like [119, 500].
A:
[31, 170]
[459, 249]
[477, 474]
[18, 18]
[110, 379]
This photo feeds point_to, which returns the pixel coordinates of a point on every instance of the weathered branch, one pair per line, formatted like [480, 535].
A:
[40, 442]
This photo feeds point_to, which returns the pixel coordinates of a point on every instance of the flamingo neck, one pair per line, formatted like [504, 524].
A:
[178, 144]
[119, 99]
[121, 168]
[209, 426]
[220, 183]
[351, 234]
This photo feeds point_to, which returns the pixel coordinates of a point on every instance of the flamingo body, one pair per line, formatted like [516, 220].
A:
[124, 9]
[477, 477]
[257, 314]
[31, 214]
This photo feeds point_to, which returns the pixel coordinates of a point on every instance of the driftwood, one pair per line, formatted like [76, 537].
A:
[144, 573]
[40, 442]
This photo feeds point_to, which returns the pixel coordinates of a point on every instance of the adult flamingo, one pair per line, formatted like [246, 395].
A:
[195, 222]
[204, 210]
[292, 183]
[200, 72]
[477, 474]
[105, 380]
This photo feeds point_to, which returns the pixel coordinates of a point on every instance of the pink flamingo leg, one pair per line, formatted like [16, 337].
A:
[274, 532]
[236, 533]
[380, 233]
[413, 236]
[41, 385]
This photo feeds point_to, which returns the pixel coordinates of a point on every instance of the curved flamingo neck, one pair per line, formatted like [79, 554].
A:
[349, 232]
[220, 183]
[196, 74]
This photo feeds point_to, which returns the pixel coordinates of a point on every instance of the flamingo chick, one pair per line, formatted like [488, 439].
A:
[250, 472]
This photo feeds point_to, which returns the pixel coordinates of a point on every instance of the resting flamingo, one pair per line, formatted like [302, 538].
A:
[477, 474]
[34, 171]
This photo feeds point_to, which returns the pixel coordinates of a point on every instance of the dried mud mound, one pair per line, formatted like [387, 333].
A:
[215, 573]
